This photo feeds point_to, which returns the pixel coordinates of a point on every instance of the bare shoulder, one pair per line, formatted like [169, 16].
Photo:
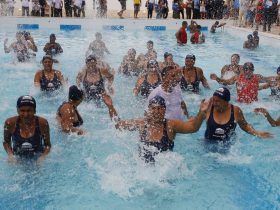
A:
[11, 121]
[43, 121]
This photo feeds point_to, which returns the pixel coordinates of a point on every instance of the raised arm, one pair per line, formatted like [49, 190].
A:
[139, 82]
[271, 121]
[247, 127]
[193, 125]
[230, 81]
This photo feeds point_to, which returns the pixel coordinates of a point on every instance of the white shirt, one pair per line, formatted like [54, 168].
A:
[58, 4]
[78, 3]
[172, 101]
[25, 3]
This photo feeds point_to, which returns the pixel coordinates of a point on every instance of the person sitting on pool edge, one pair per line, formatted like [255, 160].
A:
[222, 117]
[272, 122]
[157, 132]
[48, 79]
[26, 135]
[53, 48]
[67, 115]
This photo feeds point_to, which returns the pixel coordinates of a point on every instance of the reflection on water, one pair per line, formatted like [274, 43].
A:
[102, 170]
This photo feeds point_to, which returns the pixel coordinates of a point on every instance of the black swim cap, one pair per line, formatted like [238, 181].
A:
[90, 58]
[248, 66]
[26, 100]
[166, 54]
[157, 100]
[75, 93]
[222, 93]
[190, 56]
[255, 33]
[52, 35]
[47, 57]
[250, 36]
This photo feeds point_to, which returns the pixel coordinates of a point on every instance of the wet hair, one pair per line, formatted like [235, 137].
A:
[255, 33]
[132, 50]
[184, 22]
[98, 34]
[52, 35]
[26, 100]
[167, 69]
[166, 54]
[198, 26]
[157, 100]
[150, 42]
[249, 65]
[217, 22]
[47, 57]
[90, 58]
[223, 93]
[75, 93]
[250, 36]
[237, 55]
[190, 56]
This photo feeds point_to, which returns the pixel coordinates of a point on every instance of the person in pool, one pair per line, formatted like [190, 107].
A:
[67, 114]
[26, 135]
[181, 35]
[97, 47]
[215, 26]
[170, 90]
[256, 38]
[192, 76]
[49, 79]
[247, 83]
[128, 66]
[151, 53]
[222, 117]
[232, 69]
[168, 61]
[53, 48]
[249, 44]
[158, 133]
[266, 114]
[24, 42]
[92, 77]
[148, 81]
[198, 37]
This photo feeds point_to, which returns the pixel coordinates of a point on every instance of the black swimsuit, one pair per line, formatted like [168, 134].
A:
[146, 88]
[94, 90]
[164, 144]
[275, 91]
[215, 131]
[27, 147]
[79, 122]
[190, 86]
[22, 55]
[50, 85]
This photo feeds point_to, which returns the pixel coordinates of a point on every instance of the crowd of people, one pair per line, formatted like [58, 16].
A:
[162, 83]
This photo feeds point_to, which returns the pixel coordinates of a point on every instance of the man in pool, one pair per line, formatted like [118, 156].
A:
[24, 42]
[67, 115]
[222, 117]
[170, 90]
[215, 26]
[48, 79]
[198, 37]
[181, 35]
[128, 65]
[168, 61]
[233, 69]
[249, 44]
[26, 135]
[151, 53]
[256, 38]
[266, 114]
[97, 47]
[52, 48]
[247, 83]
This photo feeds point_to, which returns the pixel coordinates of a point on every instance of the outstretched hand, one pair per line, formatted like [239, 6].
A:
[204, 105]
[261, 111]
[264, 135]
[213, 76]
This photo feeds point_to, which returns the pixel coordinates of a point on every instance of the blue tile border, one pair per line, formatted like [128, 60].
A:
[155, 28]
[27, 26]
[113, 27]
[70, 27]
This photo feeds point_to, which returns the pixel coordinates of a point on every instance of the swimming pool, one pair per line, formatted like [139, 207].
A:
[102, 170]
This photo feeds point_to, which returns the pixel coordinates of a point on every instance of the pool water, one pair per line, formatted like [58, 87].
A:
[102, 170]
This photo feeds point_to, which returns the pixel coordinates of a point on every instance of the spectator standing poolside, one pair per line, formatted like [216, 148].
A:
[25, 7]
[189, 9]
[137, 4]
[123, 5]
